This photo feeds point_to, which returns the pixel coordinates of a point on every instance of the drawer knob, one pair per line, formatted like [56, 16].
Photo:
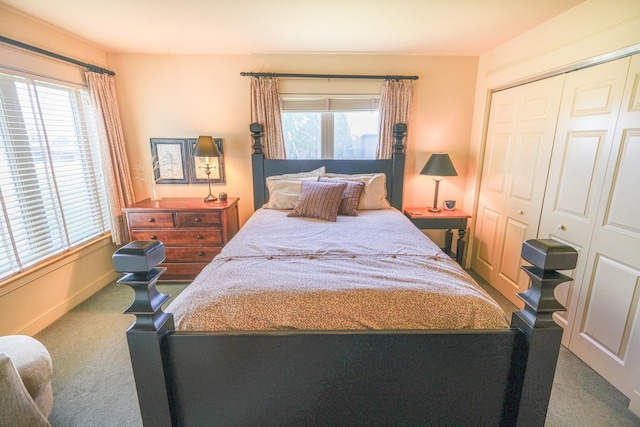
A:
[199, 237]
[151, 220]
[201, 253]
[561, 227]
[198, 220]
[154, 237]
[520, 211]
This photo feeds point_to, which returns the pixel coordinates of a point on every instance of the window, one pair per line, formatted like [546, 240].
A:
[338, 128]
[52, 193]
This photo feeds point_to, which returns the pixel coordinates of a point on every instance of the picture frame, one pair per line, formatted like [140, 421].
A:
[169, 160]
[197, 174]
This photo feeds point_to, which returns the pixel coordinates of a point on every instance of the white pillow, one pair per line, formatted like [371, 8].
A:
[316, 172]
[374, 194]
[284, 193]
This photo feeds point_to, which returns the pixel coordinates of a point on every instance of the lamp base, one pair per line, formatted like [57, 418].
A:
[210, 198]
[435, 210]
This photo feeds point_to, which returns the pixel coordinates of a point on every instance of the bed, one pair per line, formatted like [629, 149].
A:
[304, 321]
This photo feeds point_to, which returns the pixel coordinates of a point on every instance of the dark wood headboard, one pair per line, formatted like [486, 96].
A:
[393, 168]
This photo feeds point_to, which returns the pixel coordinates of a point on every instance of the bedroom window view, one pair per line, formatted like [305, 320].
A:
[312, 132]
[52, 193]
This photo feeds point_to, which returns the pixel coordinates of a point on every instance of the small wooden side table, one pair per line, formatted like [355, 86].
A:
[423, 218]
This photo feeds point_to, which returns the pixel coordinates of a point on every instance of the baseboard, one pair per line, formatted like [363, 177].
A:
[634, 402]
[69, 304]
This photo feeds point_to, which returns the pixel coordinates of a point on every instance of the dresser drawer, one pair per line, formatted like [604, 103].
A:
[198, 219]
[182, 237]
[191, 254]
[151, 219]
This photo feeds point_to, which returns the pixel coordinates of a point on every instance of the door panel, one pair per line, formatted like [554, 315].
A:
[603, 326]
[584, 137]
[519, 140]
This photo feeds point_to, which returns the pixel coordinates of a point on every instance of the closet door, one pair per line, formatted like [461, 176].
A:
[520, 135]
[606, 328]
[584, 138]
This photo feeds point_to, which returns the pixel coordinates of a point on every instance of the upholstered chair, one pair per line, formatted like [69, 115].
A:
[25, 382]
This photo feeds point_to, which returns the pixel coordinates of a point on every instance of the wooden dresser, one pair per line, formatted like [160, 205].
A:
[193, 231]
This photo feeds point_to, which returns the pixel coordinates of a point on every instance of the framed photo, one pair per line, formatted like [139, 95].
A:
[197, 167]
[169, 160]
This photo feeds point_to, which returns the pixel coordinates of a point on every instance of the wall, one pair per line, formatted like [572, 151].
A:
[30, 302]
[590, 30]
[183, 96]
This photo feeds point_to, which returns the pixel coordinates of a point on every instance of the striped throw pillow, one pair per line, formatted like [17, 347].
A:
[319, 200]
[350, 196]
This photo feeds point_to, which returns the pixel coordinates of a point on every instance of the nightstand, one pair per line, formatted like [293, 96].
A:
[193, 231]
[423, 218]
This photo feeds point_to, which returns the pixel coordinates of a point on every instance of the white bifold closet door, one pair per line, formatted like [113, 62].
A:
[518, 148]
[592, 203]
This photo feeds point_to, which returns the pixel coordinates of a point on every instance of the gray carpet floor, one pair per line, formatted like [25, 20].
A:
[93, 382]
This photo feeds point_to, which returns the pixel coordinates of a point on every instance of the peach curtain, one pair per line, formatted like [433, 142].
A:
[265, 109]
[395, 106]
[115, 163]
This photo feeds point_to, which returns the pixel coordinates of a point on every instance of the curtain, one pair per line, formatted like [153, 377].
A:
[395, 105]
[115, 163]
[265, 109]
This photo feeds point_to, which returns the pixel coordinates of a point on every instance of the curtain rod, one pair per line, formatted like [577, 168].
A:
[328, 76]
[90, 67]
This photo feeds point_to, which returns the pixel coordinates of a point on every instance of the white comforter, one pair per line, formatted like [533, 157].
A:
[372, 271]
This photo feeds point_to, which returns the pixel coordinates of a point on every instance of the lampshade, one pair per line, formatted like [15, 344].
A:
[206, 147]
[439, 165]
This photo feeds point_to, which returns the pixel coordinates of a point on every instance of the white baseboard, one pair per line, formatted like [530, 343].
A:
[634, 402]
[69, 304]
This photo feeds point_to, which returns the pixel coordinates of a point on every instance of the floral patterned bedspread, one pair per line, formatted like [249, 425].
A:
[372, 271]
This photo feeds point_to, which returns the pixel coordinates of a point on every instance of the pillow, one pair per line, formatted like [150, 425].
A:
[319, 200]
[283, 193]
[316, 172]
[350, 196]
[374, 194]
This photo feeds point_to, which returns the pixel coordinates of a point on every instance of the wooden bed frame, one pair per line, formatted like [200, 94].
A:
[356, 378]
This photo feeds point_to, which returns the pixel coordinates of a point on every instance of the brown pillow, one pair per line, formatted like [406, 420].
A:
[319, 200]
[350, 196]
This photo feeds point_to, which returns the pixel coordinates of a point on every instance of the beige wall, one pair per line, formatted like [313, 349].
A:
[588, 31]
[183, 96]
[30, 302]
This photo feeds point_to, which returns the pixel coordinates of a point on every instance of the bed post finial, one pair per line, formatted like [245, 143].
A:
[257, 166]
[138, 261]
[256, 130]
[542, 335]
[399, 132]
[398, 160]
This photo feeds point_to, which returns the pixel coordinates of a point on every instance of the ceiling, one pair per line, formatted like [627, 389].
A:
[410, 27]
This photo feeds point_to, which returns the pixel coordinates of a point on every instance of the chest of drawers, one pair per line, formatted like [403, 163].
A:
[193, 231]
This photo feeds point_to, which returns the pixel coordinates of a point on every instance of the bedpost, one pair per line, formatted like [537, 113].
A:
[257, 166]
[542, 335]
[138, 260]
[398, 158]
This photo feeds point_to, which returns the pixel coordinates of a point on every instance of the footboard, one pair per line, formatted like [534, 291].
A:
[461, 377]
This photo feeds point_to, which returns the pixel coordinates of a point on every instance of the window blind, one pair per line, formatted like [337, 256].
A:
[52, 191]
[324, 103]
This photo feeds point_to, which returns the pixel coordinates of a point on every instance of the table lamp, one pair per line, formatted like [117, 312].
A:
[207, 148]
[438, 165]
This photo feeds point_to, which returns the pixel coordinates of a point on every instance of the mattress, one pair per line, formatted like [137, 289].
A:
[371, 271]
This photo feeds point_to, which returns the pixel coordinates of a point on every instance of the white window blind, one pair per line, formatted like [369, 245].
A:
[52, 191]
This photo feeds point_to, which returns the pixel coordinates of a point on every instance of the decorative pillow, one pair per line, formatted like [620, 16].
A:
[374, 194]
[350, 196]
[319, 200]
[284, 193]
